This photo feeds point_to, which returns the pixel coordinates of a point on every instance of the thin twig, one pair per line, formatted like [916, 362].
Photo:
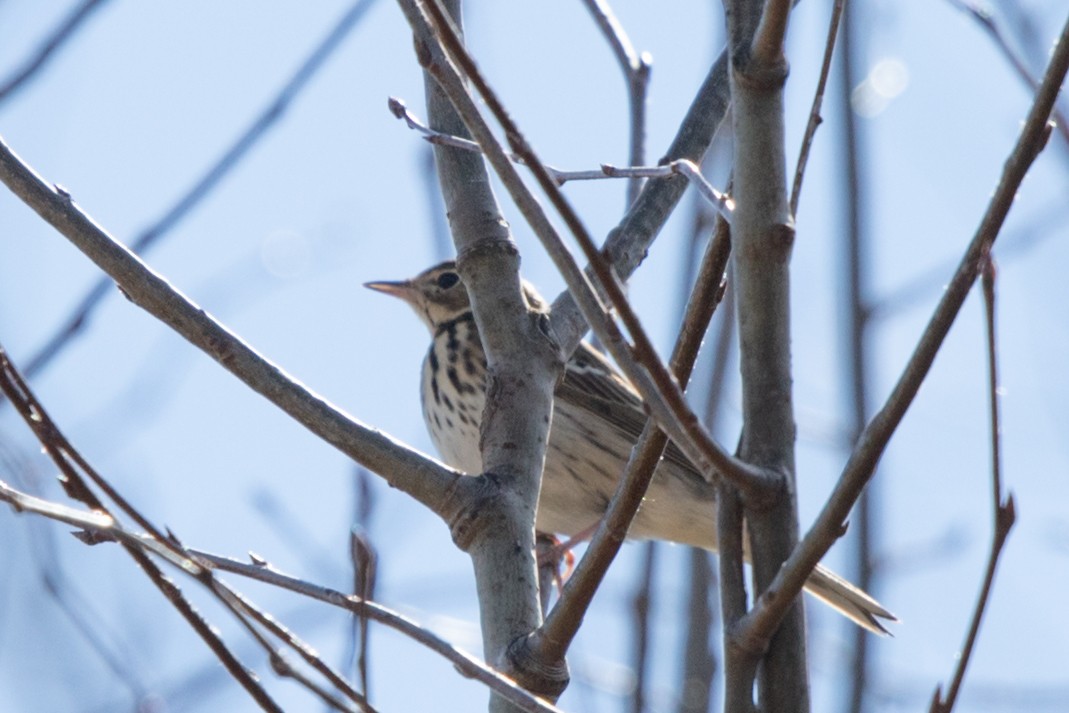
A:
[720, 201]
[859, 468]
[641, 604]
[628, 243]
[248, 613]
[740, 655]
[364, 558]
[467, 664]
[150, 236]
[698, 666]
[682, 167]
[1029, 232]
[59, 450]
[818, 101]
[626, 56]
[61, 34]
[858, 326]
[1004, 510]
[986, 20]
[562, 623]
[698, 659]
[105, 528]
[401, 111]
[636, 69]
[63, 453]
[700, 662]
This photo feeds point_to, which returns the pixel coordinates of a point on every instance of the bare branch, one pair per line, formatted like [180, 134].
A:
[740, 655]
[984, 18]
[627, 244]
[641, 604]
[763, 236]
[767, 46]
[428, 481]
[438, 138]
[636, 68]
[248, 613]
[467, 664]
[67, 591]
[60, 450]
[859, 468]
[1029, 232]
[104, 526]
[1004, 510]
[63, 32]
[101, 526]
[629, 60]
[400, 110]
[684, 167]
[556, 634]
[699, 663]
[857, 328]
[723, 203]
[818, 101]
[66, 457]
[365, 565]
[523, 366]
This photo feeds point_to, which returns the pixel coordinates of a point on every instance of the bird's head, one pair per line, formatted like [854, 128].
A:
[438, 295]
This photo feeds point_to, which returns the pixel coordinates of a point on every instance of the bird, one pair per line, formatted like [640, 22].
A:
[597, 418]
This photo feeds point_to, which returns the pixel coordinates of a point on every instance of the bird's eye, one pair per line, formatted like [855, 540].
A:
[448, 279]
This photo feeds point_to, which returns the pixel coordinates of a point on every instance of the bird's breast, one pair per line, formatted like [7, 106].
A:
[453, 392]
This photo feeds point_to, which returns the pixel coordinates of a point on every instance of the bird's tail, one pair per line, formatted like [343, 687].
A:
[848, 600]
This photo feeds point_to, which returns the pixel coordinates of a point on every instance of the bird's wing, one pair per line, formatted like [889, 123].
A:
[591, 383]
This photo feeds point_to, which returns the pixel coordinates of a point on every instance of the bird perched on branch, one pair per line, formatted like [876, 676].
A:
[597, 418]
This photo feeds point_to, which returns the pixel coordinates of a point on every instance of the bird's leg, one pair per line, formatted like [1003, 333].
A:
[552, 553]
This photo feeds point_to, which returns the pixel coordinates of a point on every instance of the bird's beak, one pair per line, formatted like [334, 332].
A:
[402, 289]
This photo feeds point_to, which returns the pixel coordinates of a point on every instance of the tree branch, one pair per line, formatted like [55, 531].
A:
[829, 524]
[763, 236]
[105, 528]
[62, 452]
[636, 68]
[523, 366]
[818, 100]
[47, 50]
[984, 18]
[428, 481]
[682, 167]
[1004, 510]
[554, 637]
[768, 38]
[740, 655]
[468, 665]
[855, 210]
[628, 243]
